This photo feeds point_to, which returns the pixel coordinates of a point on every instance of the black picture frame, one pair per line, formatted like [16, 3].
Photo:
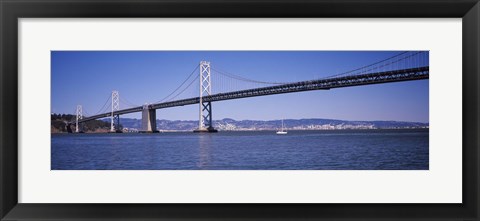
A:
[11, 10]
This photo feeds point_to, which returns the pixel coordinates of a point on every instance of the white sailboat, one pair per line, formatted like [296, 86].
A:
[282, 131]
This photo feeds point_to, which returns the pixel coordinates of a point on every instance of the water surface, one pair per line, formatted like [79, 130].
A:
[405, 149]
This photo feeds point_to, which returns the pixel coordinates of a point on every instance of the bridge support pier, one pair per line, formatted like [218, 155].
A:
[115, 128]
[206, 116]
[149, 120]
[68, 128]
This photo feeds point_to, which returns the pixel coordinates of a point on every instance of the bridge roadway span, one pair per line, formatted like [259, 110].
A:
[321, 84]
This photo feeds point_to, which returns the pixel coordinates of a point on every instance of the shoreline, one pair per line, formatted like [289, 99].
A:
[266, 130]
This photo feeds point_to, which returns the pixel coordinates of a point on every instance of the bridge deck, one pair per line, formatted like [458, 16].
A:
[322, 84]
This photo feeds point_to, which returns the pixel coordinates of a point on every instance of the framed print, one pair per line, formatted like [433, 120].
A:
[322, 110]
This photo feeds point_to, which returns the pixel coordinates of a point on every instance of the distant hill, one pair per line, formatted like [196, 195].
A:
[290, 124]
[58, 124]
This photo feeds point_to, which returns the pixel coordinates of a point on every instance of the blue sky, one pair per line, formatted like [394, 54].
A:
[88, 77]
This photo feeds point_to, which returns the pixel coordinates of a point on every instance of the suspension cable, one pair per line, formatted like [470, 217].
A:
[191, 82]
[104, 105]
[378, 62]
[128, 103]
[396, 61]
[191, 74]
[230, 75]
[85, 113]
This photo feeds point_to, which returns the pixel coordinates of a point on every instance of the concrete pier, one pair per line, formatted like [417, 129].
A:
[206, 130]
[149, 121]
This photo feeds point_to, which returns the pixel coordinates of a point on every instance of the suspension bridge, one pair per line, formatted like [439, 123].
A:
[405, 66]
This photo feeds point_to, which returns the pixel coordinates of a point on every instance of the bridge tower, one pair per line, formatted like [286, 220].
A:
[115, 119]
[79, 117]
[205, 115]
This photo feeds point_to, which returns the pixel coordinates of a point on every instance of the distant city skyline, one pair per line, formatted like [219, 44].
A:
[88, 77]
